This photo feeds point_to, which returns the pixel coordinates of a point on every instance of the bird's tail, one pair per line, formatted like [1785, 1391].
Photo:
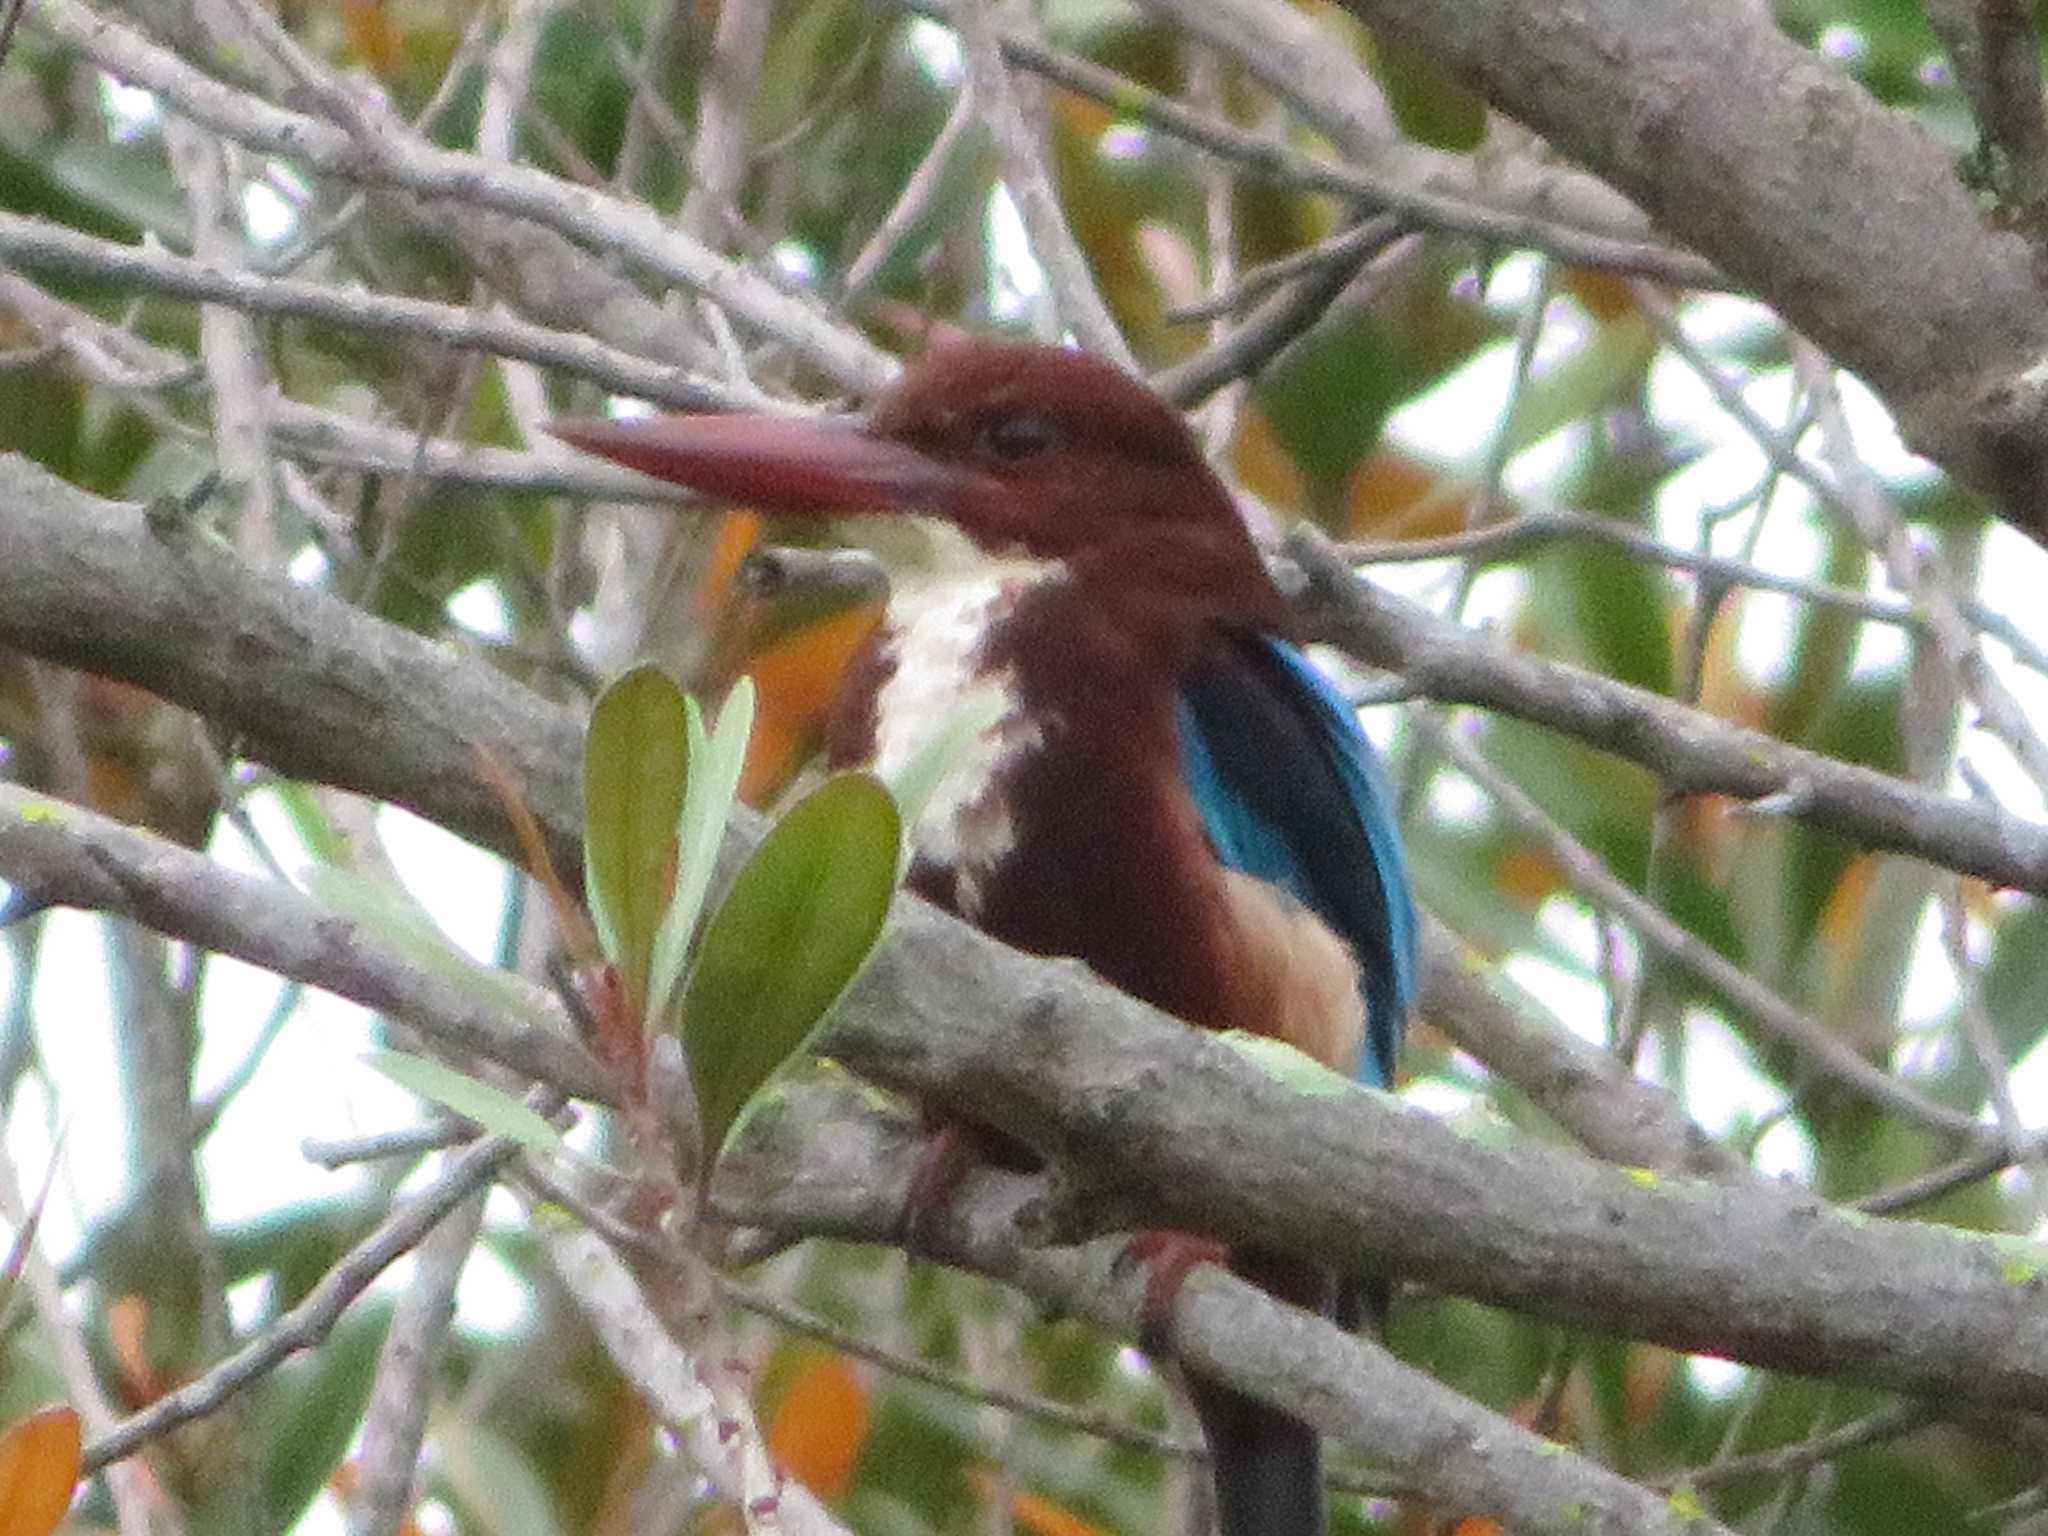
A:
[1268, 1465]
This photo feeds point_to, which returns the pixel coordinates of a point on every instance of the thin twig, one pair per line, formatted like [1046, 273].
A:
[1980, 1034]
[1951, 1176]
[394, 1421]
[1422, 200]
[662, 25]
[36, 244]
[914, 201]
[309, 1323]
[1876, 519]
[130, 1487]
[1366, 237]
[10, 18]
[1885, 1424]
[1206, 87]
[1289, 315]
[407, 1141]
[1854, 495]
[1820, 1048]
[1053, 241]
[206, 1112]
[399, 157]
[1528, 334]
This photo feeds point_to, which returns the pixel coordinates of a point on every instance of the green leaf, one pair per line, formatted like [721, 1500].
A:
[301, 805]
[390, 912]
[708, 797]
[302, 1417]
[492, 1108]
[494, 1479]
[1429, 104]
[1285, 1064]
[635, 765]
[793, 931]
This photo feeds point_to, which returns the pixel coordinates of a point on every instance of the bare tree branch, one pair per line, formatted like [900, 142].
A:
[308, 1323]
[1529, 203]
[852, 1182]
[395, 1420]
[396, 157]
[1757, 1272]
[1823, 1052]
[1692, 751]
[1592, 1094]
[38, 245]
[1078, 302]
[53, 852]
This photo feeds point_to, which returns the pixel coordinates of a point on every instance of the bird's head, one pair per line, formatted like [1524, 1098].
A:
[1032, 449]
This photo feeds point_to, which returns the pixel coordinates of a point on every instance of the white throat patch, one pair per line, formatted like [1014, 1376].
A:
[937, 629]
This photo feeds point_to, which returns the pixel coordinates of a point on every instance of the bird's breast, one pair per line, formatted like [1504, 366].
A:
[937, 657]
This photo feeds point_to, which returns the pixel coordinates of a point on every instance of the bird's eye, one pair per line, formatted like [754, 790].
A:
[1014, 439]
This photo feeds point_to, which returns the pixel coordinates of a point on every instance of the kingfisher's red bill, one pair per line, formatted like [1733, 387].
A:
[773, 463]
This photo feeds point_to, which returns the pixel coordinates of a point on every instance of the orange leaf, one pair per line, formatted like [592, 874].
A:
[127, 1329]
[38, 1472]
[1393, 495]
[1083, 116]
[374, 35]
[1841, 919]
[571, 921]
[1647, 1382]
[820, 1426]
[1527, 874]
[1263, 465]
[1605, 296]
[1030, 1512]
[347, 1480]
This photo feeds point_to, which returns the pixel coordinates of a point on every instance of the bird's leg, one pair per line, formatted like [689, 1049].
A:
[952, 1149]
[948, 1152]
[1169, 1255]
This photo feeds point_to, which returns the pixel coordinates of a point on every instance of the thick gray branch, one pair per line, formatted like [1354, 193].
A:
[1195, 1136]
[305, 683]
[826, 1162]
[55, 853]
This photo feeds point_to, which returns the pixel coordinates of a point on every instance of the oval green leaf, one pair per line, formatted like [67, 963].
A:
[716, 762]
[492, 1108]
[395, 915]
[635, 766]
[793, 931]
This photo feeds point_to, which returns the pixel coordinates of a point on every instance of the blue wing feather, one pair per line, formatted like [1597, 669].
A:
[1291, 792]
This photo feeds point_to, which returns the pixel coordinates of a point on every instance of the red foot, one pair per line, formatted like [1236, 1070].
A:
[951, 1148]
[1169, 1256]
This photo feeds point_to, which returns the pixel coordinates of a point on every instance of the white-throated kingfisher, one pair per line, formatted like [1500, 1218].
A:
[1171, 792]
